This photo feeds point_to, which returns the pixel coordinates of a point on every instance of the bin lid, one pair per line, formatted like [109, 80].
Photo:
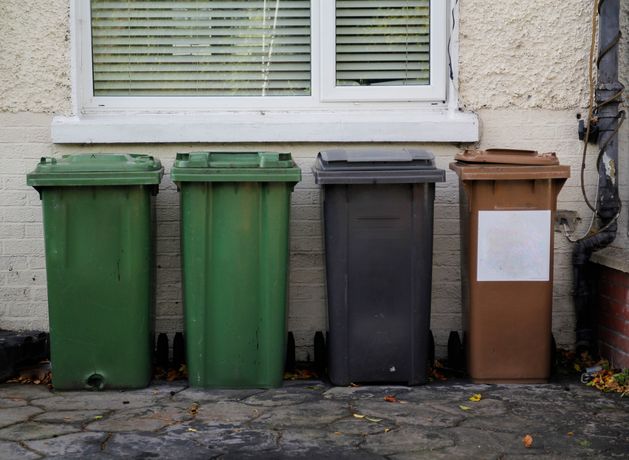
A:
[96, 169]
[507, 164]
[235, 167]
[376, 166]
[507, 156]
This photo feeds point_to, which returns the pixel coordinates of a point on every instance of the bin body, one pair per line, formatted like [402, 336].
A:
[234, 236]
[378, 218]
[98, 232]
[507, 205]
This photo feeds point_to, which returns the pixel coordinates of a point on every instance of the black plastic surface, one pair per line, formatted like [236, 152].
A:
[17, 348]
[369, 166]
[378, 217]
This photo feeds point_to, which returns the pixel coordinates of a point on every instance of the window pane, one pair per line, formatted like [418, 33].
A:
[382, 42]
[201, 48]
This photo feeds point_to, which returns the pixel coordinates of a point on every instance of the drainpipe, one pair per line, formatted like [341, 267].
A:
[608, 96]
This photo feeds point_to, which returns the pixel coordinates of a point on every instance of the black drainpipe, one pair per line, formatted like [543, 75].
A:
[608, 118]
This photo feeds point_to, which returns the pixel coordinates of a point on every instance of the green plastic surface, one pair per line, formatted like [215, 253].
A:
[235, 167]
[235, 260]
[96, 169]
[99, 265]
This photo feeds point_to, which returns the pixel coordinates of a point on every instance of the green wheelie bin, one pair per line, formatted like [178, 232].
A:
[234, 246]
[98, 229]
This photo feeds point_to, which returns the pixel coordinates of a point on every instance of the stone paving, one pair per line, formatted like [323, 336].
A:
[310, 419]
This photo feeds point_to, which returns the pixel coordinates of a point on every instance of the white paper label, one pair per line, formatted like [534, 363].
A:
[514, 246]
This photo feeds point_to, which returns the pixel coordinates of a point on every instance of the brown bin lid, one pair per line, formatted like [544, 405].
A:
[506, 164]
[508, 156]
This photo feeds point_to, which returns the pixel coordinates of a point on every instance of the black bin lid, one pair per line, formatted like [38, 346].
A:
[376, 166]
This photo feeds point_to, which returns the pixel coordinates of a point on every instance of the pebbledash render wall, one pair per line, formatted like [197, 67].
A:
[522, 70]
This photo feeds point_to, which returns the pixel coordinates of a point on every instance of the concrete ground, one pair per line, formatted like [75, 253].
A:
[310, 419]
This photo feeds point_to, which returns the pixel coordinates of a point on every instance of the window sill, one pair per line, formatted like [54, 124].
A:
[437, 125]
[612, 257]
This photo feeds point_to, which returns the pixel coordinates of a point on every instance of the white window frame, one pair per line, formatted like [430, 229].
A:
[328, 114]
[433, 92]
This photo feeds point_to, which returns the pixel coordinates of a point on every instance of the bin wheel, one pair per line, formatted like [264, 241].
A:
[179, 350]
[289, 365]
[455, 351]
[320, 359]
[161, 351]
[553, 354]
[431, 348]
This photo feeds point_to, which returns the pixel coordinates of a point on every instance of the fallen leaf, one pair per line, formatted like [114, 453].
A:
[527, 441]
[354, 385]
[373, 419]
[358, 415]
[192, 430]
[338, 433]
[464, 407]
[98, 417]
[386, 430]
[391, 399]
[193, 409]
[584, 443]
[475, 397]
[570, 433]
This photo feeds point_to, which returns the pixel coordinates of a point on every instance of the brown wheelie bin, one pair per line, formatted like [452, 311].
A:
[507, 203]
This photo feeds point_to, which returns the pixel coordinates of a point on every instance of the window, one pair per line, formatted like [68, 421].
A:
[292, 59]
[384, 50]
[200, 48]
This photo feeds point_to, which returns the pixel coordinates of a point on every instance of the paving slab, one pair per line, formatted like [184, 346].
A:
[201, 395]
[106, 400]
[33, 430]
[71, 416]
[6, 403]
[226, 412]
[311, 419]
[408, 439]
[139, 420]
[84, 445]
[26, 392]
[17, 414]
[319, 413]
[14, 451]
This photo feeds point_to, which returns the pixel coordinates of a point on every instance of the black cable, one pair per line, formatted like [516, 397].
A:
[611, 44]
[450, 41]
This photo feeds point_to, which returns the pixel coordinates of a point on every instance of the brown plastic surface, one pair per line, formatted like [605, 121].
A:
[507, 324]
[508, 156]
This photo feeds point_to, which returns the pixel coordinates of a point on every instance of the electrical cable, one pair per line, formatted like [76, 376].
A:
[595, 11]
[592, 110]
[450, 41]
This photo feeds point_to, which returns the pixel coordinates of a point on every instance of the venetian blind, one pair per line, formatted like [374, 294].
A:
[382, 42]
[201, 48]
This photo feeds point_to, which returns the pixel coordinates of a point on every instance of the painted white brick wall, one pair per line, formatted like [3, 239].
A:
[529, 100]
[22, 263]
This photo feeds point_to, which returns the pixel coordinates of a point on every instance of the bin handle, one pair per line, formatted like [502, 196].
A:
[529, 153]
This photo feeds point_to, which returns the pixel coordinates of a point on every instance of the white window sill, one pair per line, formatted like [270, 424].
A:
[437, 125]
[612, 257]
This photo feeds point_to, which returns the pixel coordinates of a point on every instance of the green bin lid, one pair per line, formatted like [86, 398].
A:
[96, 169]
[235, 167]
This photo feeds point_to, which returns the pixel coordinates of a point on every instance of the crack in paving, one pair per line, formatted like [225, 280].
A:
[25, 446]
[103, 444]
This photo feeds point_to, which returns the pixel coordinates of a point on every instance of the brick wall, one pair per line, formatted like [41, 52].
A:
[24, 138]
[612, 311]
